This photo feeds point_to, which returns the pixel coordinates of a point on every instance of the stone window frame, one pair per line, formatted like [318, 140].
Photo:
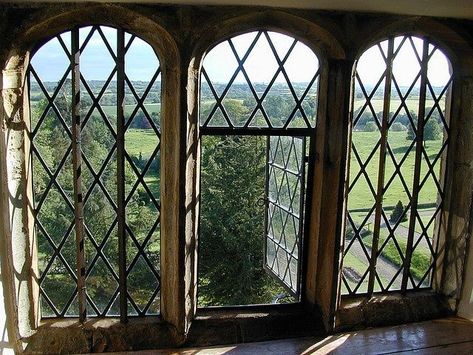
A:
[180, 180]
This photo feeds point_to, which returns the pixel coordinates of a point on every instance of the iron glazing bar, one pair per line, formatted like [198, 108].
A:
[417, 166]
[266, 200]
[382, 165]
[77, 165]
[121, 173]
[302, 179]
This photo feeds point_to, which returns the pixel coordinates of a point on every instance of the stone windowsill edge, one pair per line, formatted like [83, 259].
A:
[381, 310]
[211, 326]
[232, 325]
[67, 335]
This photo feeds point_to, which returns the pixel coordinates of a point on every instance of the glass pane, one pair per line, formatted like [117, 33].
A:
[142, 178]
[259, 79]
[51, 102]
[283, 232]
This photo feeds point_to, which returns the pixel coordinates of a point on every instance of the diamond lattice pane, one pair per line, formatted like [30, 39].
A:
[101, 286]
[407, 77]
[51, 63]
[57, 288]
[357, 252]
[142, 185]
[143, 285]
[401, 157]
[255, 80]
[285, 171]
[97, 58]
[362, 184]
[51, 102]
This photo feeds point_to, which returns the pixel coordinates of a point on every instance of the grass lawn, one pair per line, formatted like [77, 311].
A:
[361, 197]
[142, 141]
[413, 103]
[360, 266]
[421, 256]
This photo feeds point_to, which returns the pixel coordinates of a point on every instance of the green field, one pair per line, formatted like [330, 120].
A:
[142, 141]
[112, 110]
[412, 103]
[361, 197]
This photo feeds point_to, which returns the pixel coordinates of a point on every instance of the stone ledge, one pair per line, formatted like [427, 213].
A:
[56, 336]
[392, 309]
[218, 326]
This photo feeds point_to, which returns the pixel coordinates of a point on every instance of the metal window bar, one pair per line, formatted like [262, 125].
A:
[418, 157]
[382, 161]
[121, 214]
[77, 165]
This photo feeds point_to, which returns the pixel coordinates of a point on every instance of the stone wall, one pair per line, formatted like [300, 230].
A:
[181, 35]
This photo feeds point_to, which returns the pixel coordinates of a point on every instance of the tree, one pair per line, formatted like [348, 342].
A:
[410, 133]
[232, 222]
[56, 216]
[278, 108]
[140, 121]
[370, 127]
[432, 130]
[397, 213]
[398, 127]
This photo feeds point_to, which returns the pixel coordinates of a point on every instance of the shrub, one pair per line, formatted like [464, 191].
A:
[370, 127]
[397, 213]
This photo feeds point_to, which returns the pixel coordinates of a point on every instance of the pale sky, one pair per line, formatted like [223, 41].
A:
[96, 63]
[371, 64]
[301, 66]
[141, 62]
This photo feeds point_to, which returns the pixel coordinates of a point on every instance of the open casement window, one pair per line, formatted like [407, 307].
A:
[95, 133]
[399, 141]
[285, 188]
[258, 107]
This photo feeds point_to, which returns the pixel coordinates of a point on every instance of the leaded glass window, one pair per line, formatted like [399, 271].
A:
[258, 115]
[95, 149]
[399, 141]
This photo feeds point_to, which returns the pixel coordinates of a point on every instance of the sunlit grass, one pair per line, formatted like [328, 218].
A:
[361, 197]
[140, 141]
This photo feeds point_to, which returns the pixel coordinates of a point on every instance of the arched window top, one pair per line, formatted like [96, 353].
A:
[259, 79]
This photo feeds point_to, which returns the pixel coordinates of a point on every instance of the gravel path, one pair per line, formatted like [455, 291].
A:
[384, 268]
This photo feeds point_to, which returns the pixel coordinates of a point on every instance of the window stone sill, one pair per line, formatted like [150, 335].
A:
[218, 326]
[392, 309]
[56, 336]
